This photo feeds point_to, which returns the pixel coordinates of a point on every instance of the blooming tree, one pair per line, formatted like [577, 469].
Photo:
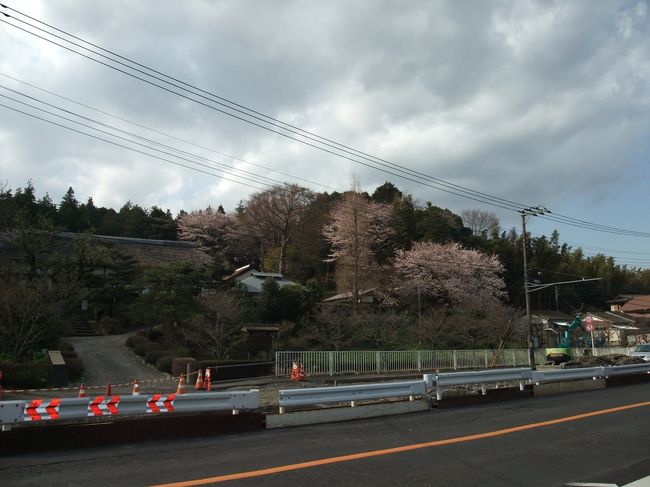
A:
[451, 274]
[358, 228]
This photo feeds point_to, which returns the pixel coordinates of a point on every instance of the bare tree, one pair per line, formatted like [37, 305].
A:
[358, 228]
[275, 214]
[217, 330]
[481, 223]
[450, 274]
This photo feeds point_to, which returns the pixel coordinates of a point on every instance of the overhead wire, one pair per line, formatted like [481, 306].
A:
[465, 192]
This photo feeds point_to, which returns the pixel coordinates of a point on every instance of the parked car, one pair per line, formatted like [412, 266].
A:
[642, 351]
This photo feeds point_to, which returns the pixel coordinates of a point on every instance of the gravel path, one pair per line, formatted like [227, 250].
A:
[106, 359]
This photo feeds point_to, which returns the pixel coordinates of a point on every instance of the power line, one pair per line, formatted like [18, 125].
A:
[464, 192]
[433, 183]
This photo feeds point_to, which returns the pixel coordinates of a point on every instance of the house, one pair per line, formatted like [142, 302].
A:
[366, 296]
[548, 324]
[635, 305]
[253, 280]
[612, 327]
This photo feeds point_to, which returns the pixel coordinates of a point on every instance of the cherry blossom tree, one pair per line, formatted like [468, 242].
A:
[450, 274]
[226, 237]
[358, 229]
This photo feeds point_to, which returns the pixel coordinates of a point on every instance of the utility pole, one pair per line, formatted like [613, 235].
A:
[539, 210]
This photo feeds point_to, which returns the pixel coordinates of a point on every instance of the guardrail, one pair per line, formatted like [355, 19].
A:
[482, 377]
[568, 374]
[628, 369]
[12, 412]
[351, 394]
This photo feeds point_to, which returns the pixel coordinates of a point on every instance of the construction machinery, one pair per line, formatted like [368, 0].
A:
[574, 335]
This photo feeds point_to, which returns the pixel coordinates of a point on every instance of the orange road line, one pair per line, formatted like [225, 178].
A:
[399, 449]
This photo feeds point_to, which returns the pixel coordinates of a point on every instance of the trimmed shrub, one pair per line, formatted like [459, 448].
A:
[141, 333]
[164, 363]
[155, 335]
[109, 326]
[140, 348]
[150, 347]
[179, 365]
[68, 354]
[75, 368]
[24, 376]
[133, 341]
[153, 355]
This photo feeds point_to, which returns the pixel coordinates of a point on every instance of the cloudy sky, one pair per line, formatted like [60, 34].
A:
[538, 103]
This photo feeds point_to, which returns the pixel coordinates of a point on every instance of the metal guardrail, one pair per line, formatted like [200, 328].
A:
[12, 412]
[482, 377]
[628, 369]
[568, 374]
[351, 394]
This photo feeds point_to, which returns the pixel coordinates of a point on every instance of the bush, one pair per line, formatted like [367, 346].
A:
[153, 355]
[179, 365]
[109, 326]
[75, 368]
[141, 333]
[24, 376]
[155, 335]
[140, 348]
[150, 347]
[68, 354]
[133, 341]
[164, 363]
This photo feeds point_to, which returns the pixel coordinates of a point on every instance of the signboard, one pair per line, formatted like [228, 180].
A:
[590, 326]
[588, 319]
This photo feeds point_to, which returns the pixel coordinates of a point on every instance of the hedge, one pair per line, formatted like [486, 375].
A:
[24, 376]
[179, 365]
[153, 355]
[164, 363]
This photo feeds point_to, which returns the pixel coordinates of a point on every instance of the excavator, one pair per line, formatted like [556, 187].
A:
[567, 341]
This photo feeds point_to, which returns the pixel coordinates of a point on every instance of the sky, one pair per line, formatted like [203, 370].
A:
[534, 102]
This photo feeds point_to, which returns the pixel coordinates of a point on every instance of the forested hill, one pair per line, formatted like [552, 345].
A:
[302, 253]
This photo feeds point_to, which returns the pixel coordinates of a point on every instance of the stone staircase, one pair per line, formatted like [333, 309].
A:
[81, 327]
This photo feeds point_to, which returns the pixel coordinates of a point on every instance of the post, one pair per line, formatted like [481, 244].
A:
[455, 359]
[531, 352]
[331, 357]
[419, 361]
[378, 361]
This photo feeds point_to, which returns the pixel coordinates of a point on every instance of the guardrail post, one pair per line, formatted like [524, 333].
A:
[483, 389]
[331, 359]
[378, 360]
[455, 360]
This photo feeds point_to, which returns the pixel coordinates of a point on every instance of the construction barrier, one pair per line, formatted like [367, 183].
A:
[98, 406]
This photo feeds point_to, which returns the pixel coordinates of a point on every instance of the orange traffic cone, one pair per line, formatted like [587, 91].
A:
[108, 390]
[136, 388]
[208, 380]
[294, 371]
[82, 390]
[200, 385]
[181, 385]
[301, 372]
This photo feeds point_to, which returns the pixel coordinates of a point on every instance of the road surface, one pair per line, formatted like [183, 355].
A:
[106, 359]
[600, 436]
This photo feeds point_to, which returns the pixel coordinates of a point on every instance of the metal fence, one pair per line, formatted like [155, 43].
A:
[379, 362]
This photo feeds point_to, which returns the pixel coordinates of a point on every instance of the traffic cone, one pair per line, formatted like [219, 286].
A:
[82, 390]
[108, 390]
[200, 385]
[208, 380]
[294, 371]
[181, 385]
[136, 388]
[301, 372]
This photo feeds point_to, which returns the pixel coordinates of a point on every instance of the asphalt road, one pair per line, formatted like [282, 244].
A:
[106, 359]
[610, 447]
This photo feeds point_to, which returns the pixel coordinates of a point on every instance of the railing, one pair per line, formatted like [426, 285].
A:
[380, 362]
